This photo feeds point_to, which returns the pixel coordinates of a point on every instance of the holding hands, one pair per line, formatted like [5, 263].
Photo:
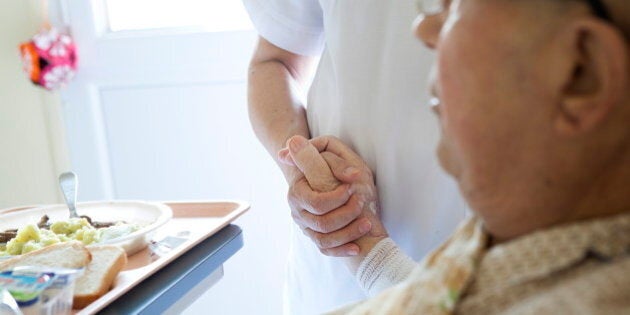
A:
[335, 202]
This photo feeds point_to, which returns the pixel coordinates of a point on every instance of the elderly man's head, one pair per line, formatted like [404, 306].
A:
[534, 103]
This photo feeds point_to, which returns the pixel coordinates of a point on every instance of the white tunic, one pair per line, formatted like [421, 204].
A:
[370, 90]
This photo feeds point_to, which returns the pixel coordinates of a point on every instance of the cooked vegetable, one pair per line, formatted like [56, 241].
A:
[33, 237]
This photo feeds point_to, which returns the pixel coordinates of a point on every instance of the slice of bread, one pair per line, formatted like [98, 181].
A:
[65, 255]
[102, 264]
[107, 262]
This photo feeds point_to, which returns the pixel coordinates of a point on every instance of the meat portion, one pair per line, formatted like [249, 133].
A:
[7, 235]
[97, 224]
[43, 223]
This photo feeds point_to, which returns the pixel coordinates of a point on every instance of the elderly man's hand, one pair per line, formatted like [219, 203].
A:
[335, 202]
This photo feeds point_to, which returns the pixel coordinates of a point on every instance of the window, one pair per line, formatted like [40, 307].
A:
[211, 15]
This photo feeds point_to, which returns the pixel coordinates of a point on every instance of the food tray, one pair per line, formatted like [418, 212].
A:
[192, 222]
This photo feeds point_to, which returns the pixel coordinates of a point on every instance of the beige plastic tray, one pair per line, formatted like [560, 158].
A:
[193, 221]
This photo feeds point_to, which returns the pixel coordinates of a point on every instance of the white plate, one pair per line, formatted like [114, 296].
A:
[148, 215]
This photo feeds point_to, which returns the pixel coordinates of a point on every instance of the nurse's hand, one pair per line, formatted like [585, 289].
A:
[335, 202]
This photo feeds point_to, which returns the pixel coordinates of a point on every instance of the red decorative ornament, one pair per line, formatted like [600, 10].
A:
[49, 59]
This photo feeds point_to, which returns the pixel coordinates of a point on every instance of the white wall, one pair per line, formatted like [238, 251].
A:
[32, 151]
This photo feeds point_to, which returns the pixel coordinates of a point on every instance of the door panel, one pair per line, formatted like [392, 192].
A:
[191, 135]
[143, 63]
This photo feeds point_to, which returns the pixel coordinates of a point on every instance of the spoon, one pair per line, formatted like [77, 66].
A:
[69, 183]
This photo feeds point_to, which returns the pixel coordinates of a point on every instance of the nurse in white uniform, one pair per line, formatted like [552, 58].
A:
[367, 90]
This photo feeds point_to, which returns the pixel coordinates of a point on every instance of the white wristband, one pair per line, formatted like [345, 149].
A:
[384, 266]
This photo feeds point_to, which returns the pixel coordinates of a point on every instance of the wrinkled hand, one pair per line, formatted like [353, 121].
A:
[335, 202]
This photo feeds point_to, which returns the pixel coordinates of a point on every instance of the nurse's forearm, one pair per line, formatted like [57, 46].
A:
[276, 110]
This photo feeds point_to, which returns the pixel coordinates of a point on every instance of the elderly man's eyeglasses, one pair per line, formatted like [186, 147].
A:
[433, 7]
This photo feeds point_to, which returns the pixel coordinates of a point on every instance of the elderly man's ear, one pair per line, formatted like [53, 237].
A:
[596, 80]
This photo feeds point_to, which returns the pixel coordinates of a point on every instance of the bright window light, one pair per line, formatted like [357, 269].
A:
[212, 15]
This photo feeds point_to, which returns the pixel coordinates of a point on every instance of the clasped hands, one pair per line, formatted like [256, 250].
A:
[333, 198]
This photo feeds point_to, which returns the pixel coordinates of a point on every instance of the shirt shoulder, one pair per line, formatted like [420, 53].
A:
[593, 287]
[293, 25]
[604, 289]
[579, 268]
[596, 288]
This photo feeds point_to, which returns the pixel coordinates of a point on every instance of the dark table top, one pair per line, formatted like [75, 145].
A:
[161, 290]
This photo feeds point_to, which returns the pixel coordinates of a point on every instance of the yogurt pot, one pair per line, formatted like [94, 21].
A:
[45, 291]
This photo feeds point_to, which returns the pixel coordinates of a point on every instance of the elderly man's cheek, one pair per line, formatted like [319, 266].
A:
[447, 155]
[444, 158]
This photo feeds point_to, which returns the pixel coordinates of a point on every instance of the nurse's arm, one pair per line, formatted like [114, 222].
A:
[276, 81]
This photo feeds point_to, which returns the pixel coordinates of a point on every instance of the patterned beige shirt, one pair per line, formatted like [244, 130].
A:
[577, 268]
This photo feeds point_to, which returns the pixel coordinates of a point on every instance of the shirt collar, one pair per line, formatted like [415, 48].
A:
[550, 250]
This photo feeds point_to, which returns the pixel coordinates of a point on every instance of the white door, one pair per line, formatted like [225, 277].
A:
[158, 111]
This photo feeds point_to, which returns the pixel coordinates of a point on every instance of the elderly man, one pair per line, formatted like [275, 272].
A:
[536, 131]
